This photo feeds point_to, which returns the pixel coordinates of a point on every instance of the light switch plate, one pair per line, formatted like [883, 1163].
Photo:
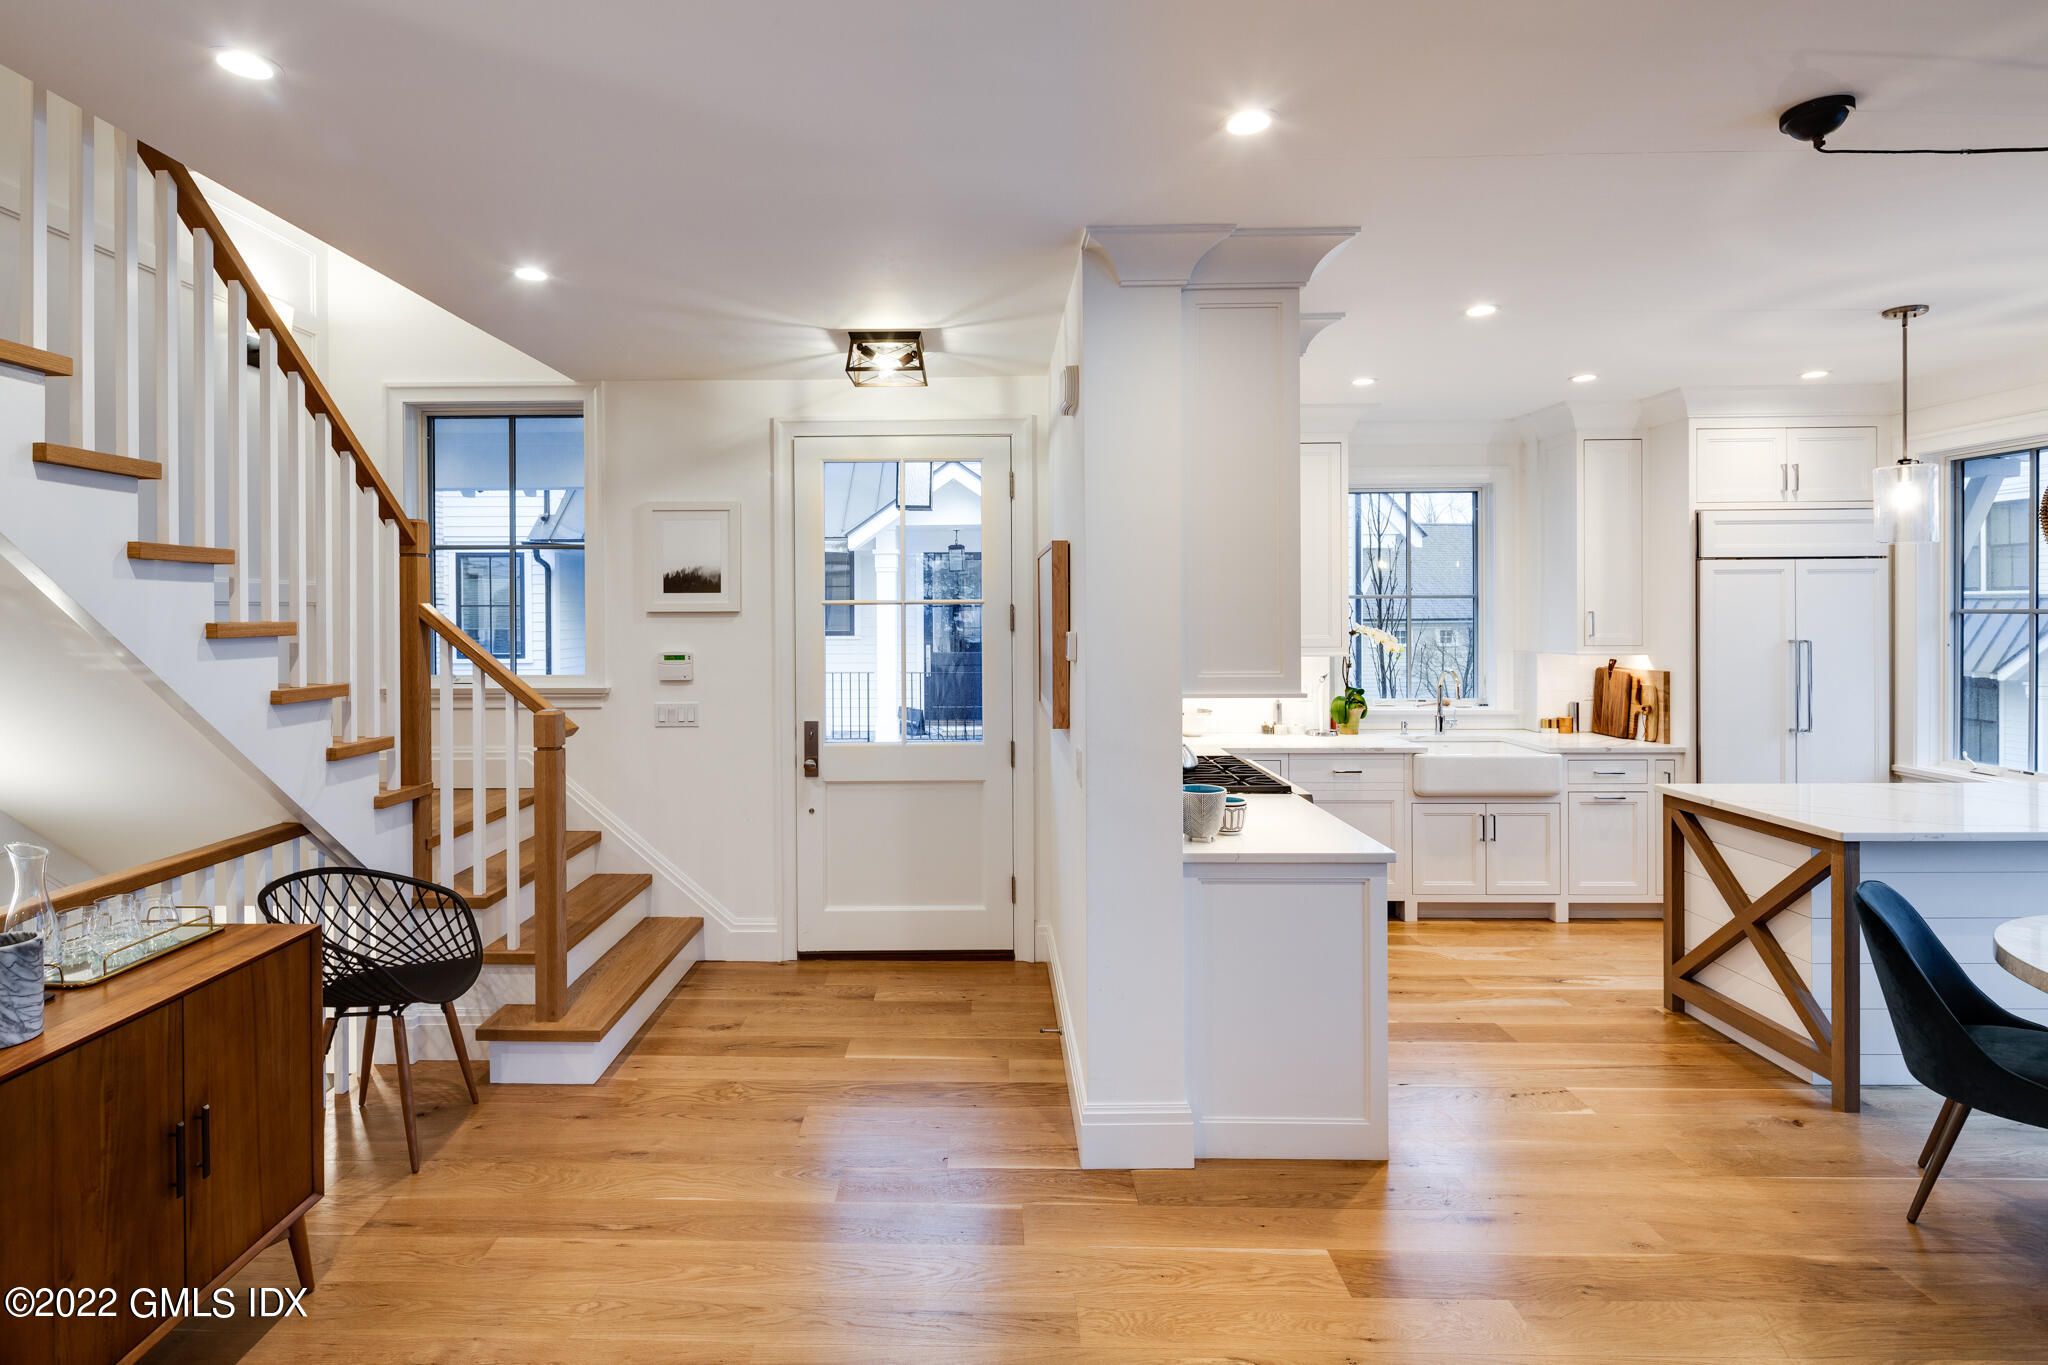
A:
[668, 715]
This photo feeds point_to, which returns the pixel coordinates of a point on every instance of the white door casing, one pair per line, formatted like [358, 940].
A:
[903, 834]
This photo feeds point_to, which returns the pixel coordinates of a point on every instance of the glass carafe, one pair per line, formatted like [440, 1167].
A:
[30, 906]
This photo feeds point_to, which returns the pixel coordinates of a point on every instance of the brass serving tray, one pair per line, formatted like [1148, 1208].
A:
[145, 949]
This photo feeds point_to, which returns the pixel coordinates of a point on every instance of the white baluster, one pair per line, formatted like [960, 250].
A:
[236, 461]
[202, 387]
[372, 619]
[386, 614]
[479, 778]
[238, 891]
[127, 300]
[34, 167]
[170, 500]
[322, 471]
[511, 828]
[268, 571]
[345, 614]
[84, 304]
[301, 461]
[445, 770]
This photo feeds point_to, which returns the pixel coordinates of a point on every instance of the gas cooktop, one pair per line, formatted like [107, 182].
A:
[1233, 774]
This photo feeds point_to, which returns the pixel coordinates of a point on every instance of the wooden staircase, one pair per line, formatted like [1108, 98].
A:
[233, 436]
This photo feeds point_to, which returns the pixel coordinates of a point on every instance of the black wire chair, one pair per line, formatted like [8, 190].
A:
[386, 942]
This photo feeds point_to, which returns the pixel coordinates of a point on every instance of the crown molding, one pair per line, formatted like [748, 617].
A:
[1268, 258]
[1312, 325]
[1158, 256]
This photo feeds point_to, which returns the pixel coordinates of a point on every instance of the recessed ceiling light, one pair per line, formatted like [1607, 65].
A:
[1814, 374]
[1481, 310]
[1245, 122]
[532, 274]
[1364, 381]
[247, 65]
[1584, 378]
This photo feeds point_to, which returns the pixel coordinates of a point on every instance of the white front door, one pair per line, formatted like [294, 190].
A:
[903, 693]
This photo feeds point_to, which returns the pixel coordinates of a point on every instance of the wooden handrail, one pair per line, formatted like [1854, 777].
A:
[146, 875]
[198, 215]
[482, 658]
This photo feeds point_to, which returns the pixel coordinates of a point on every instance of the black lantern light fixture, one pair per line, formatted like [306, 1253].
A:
[885, 360]
[956, 554]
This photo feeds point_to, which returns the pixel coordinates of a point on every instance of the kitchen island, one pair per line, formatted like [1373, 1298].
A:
[1287, 986]
[1759, 941]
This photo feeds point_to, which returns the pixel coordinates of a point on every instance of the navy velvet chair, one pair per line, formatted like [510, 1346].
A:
[1956, 1042]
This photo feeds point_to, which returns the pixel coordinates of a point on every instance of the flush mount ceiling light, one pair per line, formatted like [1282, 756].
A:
[1813, 374]
[1904, 494]
[532, 274]
[1245, 122]
[1482, 310]
[1584, 378]
[1364, 381]
[1816, 120]
[238, 62]
[885, 360]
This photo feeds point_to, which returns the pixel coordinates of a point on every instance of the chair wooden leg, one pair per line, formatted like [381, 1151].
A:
[369, 1051]
[1948, 1107]
[461, 1049]
[302, 1252]
[1937, 1160]
[327, 1038]
[412, 1131]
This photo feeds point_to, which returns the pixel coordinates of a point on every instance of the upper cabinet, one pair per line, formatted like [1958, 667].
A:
[1591, 544]
[1748, 466]
[1325, 622]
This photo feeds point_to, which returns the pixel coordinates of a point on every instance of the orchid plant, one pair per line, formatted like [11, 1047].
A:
[1353, 697]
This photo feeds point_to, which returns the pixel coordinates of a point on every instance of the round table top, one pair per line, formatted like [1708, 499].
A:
[2021, 946]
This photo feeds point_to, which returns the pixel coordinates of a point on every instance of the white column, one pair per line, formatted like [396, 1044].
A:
[84, 305]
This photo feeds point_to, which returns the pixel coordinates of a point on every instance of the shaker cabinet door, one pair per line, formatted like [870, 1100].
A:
[91, 1149]
[1450, 849]
[252, 1096]
[1742, 465]
[1525, 855]
[1609, 833]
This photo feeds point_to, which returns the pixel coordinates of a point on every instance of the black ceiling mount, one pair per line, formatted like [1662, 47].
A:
[1815, 120]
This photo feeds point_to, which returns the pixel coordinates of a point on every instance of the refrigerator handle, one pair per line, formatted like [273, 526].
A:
[1807, 646]
[1798, 679]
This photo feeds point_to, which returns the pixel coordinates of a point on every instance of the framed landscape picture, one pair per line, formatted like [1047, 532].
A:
[689, 556]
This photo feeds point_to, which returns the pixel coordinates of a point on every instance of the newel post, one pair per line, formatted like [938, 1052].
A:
[415, 712]
[551, 866]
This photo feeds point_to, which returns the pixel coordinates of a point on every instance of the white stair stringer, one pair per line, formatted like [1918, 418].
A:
[68, 529]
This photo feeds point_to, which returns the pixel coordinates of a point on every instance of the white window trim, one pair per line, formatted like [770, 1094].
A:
[405, 406]
[1495, 486]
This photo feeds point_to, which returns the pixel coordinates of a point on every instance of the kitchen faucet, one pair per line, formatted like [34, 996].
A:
[1443, 706]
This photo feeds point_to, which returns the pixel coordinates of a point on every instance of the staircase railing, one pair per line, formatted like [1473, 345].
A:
[254, 467]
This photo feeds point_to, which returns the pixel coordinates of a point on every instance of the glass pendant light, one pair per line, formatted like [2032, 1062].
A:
[1905, 495]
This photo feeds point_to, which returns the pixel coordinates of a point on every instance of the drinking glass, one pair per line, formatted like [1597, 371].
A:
[78, 951]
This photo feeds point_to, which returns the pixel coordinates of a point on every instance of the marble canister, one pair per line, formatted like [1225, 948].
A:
[21, 987]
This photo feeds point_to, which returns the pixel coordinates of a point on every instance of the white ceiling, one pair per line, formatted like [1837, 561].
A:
[717, 186]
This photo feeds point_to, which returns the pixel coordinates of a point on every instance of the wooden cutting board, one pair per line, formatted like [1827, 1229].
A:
[1614, 701]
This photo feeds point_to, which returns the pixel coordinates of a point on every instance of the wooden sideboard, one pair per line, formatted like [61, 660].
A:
[164, 1128]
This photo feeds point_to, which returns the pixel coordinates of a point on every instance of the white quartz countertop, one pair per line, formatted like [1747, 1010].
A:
[1886, 812]
[1393, 742]
[1289, 829]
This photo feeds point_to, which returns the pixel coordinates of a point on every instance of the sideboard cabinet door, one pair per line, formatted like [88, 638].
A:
[89, 1139]
[251, 1050]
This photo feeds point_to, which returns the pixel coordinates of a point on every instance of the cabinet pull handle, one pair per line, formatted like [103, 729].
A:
[1795, 476]
[206, 1141]
[1610, 798]
[1482, 828]
[1347, 772]
[1610, 772]
[1591, 628]
[178, 1159]
[1784, 478]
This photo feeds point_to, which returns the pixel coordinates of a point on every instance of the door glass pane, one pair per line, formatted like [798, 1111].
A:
[1381, 673]
[942, 673]
[856, 710]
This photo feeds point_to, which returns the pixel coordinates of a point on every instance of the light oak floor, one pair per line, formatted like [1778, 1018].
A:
[874, 1164]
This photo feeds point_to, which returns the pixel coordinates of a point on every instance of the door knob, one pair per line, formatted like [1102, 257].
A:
[810, 748]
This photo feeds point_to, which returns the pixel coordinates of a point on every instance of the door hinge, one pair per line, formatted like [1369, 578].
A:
[1013, 890]
[1013, 753]
[1013, 617]
[1013, 483]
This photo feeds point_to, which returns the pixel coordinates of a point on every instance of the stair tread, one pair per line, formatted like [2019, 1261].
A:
[601, 996]
[287, 696]
[356, 748]
[171, 552]
[244, 630]
[465, 815]
[73, 457]
[494, 869]
[397, 796]
[33, 358]
[592, 901]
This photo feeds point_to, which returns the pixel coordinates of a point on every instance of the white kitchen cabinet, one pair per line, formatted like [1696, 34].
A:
[1381, 815]
[1325, 599]
[1510, 850]
[1609, 844]
[1590, 544]
[1450, 849]
[1611, 543]
[1524, 851]
[1747, 466]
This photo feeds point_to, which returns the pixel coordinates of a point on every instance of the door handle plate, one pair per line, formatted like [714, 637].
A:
[810, 748]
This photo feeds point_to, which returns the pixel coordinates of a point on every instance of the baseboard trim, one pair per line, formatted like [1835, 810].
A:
[1298, 1139]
